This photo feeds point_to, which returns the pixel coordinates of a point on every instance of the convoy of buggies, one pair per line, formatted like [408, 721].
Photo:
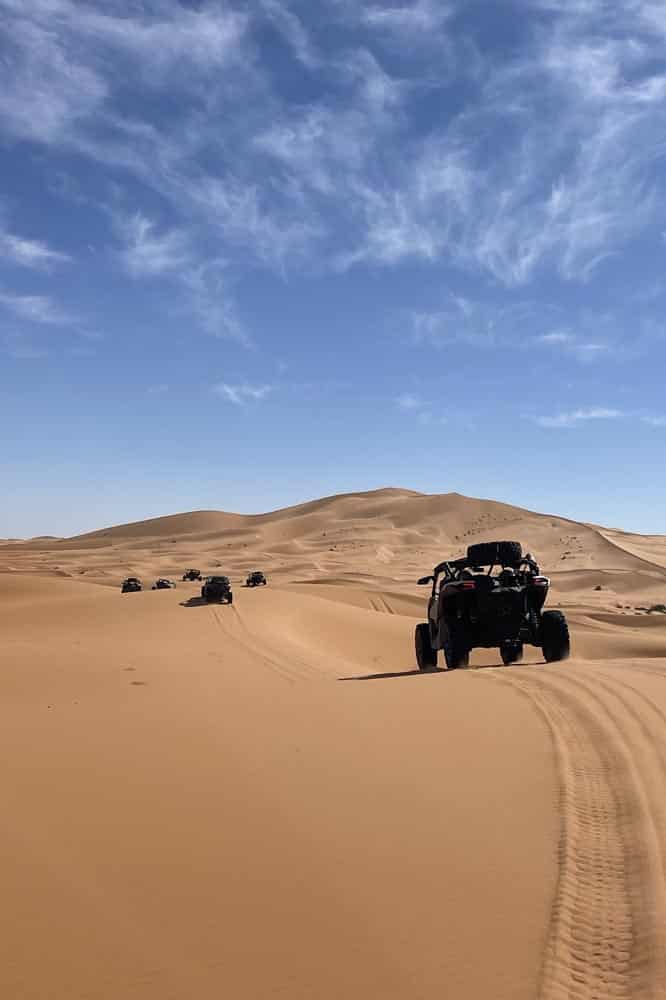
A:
[215, 588]
[470, 606]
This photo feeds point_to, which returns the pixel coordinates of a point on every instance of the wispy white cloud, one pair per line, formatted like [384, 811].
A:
[576, 417]
[44, 92]
[314, 144]
[653, 14]
[589, 351]
[35, 308]
[580, 348]
[29, 253]
[242, 393]
[158, 35]
[148, 251]
[289, 25]
[463, 321]
[211, 301]
[568, 180]
[423, 216]
[419, 408]
[203, 39]
[64, 61]
[349, 178]
[654, 421]
[408, 401]
[422, 16]
[557, 337]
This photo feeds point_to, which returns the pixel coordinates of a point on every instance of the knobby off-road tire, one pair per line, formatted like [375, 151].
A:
[555, 641]
[511, 652]
[497, 553]
[230, 599]
[456, 650]
[426, 656]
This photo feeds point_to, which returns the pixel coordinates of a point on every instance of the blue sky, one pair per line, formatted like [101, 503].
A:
[254, 253]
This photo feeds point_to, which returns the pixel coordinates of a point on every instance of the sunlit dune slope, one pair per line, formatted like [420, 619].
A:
[388, 536]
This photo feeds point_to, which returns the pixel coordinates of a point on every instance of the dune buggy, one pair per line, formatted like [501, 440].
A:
[192, 574]
[217, 589]
[131, 585]
[163, 584]
[469, 607]
[256, 579]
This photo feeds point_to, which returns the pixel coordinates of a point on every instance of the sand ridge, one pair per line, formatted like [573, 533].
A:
[268, 800]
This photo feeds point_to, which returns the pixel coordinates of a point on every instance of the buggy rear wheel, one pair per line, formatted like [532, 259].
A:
[456, 650]
[426, 656]
[555, 640]
[511, 652]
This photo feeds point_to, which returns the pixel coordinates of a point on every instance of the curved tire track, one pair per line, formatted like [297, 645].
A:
[607, 932]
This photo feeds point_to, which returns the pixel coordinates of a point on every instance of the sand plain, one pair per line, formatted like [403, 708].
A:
[266, 800]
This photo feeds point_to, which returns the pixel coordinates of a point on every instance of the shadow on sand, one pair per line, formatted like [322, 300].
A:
[193, 602]
[399, 673]
[438, 670]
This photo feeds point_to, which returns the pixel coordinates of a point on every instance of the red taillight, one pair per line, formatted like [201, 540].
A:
[540, 581]
[468, 585]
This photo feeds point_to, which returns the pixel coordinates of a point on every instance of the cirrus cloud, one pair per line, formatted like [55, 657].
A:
[576, 417]
[241, 393]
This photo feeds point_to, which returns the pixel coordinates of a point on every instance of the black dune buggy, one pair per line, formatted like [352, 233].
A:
[131, 585]
[469, 607]
[163, 584]
[256, 579]
[192, 574]
[217, 589]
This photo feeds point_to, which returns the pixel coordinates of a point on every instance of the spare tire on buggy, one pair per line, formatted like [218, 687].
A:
[495, 554]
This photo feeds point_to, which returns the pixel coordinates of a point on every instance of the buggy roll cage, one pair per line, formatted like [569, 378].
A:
[453, 567]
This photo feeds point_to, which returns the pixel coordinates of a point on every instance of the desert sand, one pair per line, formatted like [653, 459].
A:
[267, 799]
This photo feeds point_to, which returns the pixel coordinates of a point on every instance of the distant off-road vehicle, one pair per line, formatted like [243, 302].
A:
[256, 579]
[163, 584]
[469, 607]
[192, 574]
[217, 589]
[131, 585]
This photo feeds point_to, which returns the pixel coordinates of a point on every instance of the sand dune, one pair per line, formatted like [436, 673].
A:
[267, 800]
[386, 537]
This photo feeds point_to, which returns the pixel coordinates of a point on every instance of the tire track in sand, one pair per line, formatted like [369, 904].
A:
[608, 922]
[235, 628]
